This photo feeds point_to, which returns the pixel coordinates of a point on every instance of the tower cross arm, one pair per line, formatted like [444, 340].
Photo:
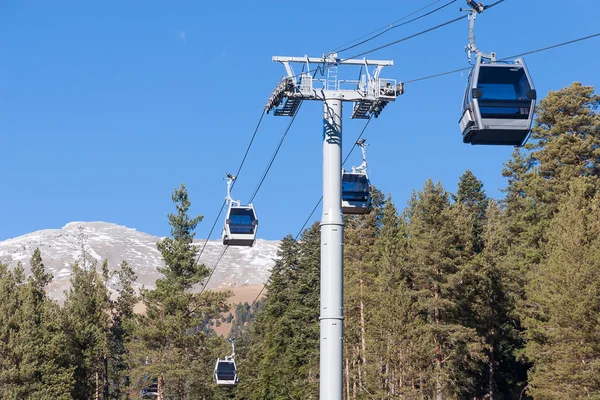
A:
[333, 60]
[370, 93]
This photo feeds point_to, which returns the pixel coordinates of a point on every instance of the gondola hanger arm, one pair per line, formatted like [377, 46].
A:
[230, 179]
[362, 168]
[232, 356]
[476, 8]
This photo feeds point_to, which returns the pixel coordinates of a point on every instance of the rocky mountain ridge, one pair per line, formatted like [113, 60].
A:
[61, 248]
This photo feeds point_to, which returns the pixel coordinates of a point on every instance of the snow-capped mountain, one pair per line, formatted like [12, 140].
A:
[61, 248]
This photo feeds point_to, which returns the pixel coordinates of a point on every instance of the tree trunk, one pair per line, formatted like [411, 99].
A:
[180, 389]
[354, 378]
[105, 391]
[358, 365]
[362, 325]
[160, 386]
[347, 371]
[386, 374]
[438, 351]
[97, 396]
[491, 364]
[492, 339]
[388, 383]
[438, 376]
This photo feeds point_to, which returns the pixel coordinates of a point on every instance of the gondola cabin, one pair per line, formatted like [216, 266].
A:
[240, 225]
[226, 373]
[150, 391]
[356, 193]
[498, 104]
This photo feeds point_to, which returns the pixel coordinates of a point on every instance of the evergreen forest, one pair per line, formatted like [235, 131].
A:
[451, 296]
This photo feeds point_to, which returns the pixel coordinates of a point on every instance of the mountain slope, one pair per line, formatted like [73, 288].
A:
[101, 240]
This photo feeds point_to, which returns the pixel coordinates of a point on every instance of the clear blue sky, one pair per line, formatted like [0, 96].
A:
[107, 105]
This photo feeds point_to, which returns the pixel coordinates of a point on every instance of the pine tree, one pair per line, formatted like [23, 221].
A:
[33, 351]
[44, 368]
[86, 319]
[567, 137]
[439, 241]
[360, 234]
[305, 310]
[395, 334]
[487, 294]
[120, 332]
[10, 379]
[474, 200]
[170, 342]
[260, 363]
[281, 359]
[261, 367]
[562, 313]
[565, 145]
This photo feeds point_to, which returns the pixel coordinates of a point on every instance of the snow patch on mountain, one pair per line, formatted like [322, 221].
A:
[61, 248]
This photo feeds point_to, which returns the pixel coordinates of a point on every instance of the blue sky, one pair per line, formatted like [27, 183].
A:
[107, 106]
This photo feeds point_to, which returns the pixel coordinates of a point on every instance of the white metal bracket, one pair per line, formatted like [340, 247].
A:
[370, 96]
[362, 168]
[476, 8]
[230, 179]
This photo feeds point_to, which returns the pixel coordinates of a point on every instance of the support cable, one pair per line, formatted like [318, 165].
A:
[399, 40]
[407, 38]
[315, 208]
[508, 58]
[385, 27]
[232, 185]
[193, 310]
[265, 173]
[392, 26]
[344, 162]
[213, 270]
[419, 33]
[270, 164]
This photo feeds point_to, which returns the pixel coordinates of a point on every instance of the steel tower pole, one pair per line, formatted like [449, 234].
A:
[332, 254]
[369, 97]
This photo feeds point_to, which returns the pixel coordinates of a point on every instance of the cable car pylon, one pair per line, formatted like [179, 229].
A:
[369, 95]
[499, 100]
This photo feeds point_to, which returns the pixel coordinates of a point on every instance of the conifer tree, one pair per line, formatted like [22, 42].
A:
[562, 313]
[33, 357]
[170, 344]
[485, 296]
[261, 368]
[282, 358]
[395, 334]
[120, 332]
[305, 311]
[45, 370]
[565, 145]
[10, 380]
[474, 200]
[489, 287]
[360, 234]
[439, 240]
[86, 319]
